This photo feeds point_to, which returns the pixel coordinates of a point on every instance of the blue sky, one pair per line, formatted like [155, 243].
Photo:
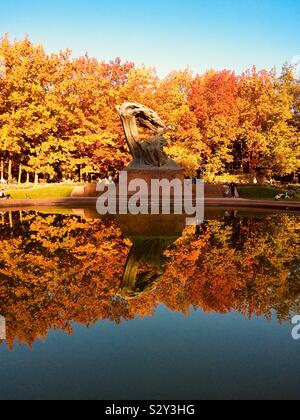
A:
[166, 34]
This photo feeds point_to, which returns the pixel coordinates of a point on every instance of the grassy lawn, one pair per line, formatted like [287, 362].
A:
[251, 192]
[47, 191]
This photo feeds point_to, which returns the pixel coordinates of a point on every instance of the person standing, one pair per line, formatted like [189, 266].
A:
[233, 190]
[199, 173]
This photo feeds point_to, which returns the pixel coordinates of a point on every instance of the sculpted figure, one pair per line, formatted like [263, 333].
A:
[149, 153]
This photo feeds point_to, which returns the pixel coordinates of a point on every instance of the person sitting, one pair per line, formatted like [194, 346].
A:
[4, 196]
[227, 193]
[280, 197]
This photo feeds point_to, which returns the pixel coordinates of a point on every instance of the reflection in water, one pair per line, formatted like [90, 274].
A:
[144, 267]
[59, 269]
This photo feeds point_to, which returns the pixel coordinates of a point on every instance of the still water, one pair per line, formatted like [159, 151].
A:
[146, 308]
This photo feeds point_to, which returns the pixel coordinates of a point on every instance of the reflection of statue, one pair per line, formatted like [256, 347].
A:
[151, 235]
[149, 153]
[144, 267]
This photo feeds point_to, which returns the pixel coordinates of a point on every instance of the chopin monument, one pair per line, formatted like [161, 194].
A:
[149, 159]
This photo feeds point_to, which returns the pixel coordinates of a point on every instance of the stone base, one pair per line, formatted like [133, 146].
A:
[214, 191]
[210, 190]
[149, 174]
[156, 173]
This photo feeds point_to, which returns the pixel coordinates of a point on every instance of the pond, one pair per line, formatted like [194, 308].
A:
[145, 307]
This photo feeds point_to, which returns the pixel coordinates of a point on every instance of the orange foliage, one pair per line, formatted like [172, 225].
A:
[58, 117]
[56, 270]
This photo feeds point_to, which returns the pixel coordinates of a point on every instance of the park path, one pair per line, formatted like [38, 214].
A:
[81, 202]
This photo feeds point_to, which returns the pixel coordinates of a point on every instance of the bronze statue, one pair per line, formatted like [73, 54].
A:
[149, 153]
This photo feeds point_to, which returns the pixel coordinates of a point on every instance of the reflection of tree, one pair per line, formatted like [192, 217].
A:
[61, 270]
[56, 270]
[256, 278]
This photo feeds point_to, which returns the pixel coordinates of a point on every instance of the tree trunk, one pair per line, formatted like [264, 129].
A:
[27, 177]
[20, 174]
[36, 178]
[2, 170]
[10, 216]
[9, 171]
[80, 176]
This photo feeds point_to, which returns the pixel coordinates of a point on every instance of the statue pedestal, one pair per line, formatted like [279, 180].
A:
[151, 174]
[168, 172]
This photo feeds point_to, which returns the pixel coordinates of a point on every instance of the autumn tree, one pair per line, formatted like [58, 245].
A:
[269, 143]
[213, 99]
[58, 116]
[25, 120]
